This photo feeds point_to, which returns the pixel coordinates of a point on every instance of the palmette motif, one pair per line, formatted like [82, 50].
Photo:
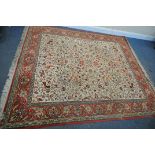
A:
[66, 76]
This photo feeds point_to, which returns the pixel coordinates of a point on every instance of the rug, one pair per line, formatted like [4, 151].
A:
[63, 76]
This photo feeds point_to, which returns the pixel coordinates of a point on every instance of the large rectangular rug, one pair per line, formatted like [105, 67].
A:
[64, 76]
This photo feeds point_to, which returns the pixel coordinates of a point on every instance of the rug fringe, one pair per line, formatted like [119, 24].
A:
[140, 64]
[8, 82]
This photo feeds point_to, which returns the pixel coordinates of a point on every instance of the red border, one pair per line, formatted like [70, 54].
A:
[86, 122]
[15, 69]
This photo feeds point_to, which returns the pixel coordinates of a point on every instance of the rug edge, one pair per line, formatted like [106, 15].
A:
[141, 66]
[10, 75]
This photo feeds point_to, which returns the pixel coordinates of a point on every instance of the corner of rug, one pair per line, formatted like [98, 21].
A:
[8, 82]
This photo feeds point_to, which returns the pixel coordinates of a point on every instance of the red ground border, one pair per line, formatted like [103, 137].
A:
[86, 122]
[1, 121]
[15, 70]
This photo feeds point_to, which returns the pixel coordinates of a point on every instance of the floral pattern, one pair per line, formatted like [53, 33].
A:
[67, 76]
[72, 69]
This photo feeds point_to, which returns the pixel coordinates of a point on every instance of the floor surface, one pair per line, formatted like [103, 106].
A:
[144, 50]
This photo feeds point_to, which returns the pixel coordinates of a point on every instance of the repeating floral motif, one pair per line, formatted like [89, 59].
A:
[66, 76]
[70, 69]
